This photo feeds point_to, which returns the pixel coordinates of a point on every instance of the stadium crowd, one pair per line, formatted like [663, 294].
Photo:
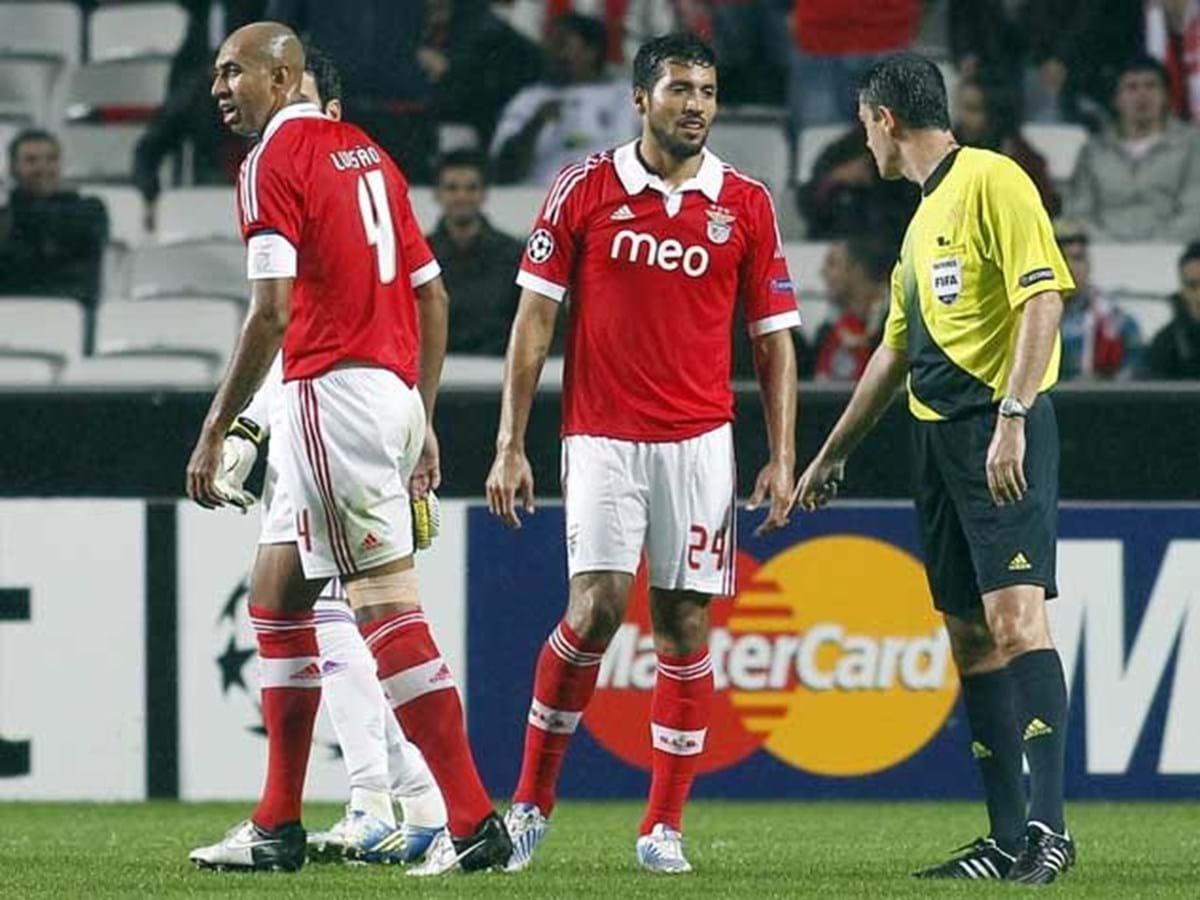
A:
[480, 100]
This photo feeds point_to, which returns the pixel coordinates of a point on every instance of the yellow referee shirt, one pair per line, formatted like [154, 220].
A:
[979, 245]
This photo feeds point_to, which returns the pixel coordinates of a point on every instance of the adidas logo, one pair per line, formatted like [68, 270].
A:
[1019, 563]
[442, 674]
[1037, 728]
[979, 751]
[309, 672]
[370, 542]
[622, 214]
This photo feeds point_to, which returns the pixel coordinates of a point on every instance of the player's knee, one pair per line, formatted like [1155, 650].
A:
[680, 623]
[1017, 622]
[973, 646]
[597, 605]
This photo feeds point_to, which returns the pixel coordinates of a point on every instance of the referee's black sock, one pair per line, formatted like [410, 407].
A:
[1041, 692]
[996, 746]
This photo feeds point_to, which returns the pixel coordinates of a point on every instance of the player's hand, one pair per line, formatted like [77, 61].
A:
[427, 474]
[1006, 461]
[203, 468]
[820, 483]
[237, 459]
[510, 479]
[774, 484]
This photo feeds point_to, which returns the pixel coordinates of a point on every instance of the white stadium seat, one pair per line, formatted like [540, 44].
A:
[804, 265]
[813, 142]
[38, 325]
[28, 83]
[138, 372]
[466, 372]
[26, 371]
[44, 27]
[815, 311]
[114, 277]
[132, 29]
[205, 266]
[756, 146]
[199, 212]
[99, 152]
[1137, 268]
[513, 209]
[206, 328]
[138, 82]
[1060, 144]
[1150, 312]
[125, 211]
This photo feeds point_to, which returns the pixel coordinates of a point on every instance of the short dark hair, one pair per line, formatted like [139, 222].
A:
[1191, 253]
[680, 48]
[324, 73]
[1143, 62]
[28, 136]
[873, 253]
[911, 86]
[588, 29]
[463, 159]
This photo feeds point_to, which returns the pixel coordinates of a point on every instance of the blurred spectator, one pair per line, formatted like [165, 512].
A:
[834, 44]
[855, 273]
[51, 239]
[475, 62]
[1173, 38]
[574, 111]
[1099, 340]
[479, 263]
[987, 114]
[1062, 53]
[1175, 351]
[375, 44]
[1140, 181]
[846, 196]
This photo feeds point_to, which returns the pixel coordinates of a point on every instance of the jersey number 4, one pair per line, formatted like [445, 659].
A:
[377, 222]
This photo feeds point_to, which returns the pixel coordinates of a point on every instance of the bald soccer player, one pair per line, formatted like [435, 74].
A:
[329, 232]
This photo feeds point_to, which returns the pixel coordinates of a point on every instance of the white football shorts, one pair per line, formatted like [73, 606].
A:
[676, 500]
[343, 446]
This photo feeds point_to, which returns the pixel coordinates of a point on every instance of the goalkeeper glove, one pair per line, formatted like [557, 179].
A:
[426, 519]
[238, 455]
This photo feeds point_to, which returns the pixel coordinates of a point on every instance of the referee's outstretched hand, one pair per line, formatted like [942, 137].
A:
[1006, 461]
[819, 484]
[510, 479]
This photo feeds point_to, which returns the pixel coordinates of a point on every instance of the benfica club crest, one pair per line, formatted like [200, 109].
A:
[720, 224]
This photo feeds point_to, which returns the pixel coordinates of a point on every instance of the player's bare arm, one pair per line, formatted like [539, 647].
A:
[260, 340]
[775, 365]
[880, 380]
[1036, 339]
[528, 345]
[433, 313]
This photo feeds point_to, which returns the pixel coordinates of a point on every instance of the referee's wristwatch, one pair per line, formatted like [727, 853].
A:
[1012, 408]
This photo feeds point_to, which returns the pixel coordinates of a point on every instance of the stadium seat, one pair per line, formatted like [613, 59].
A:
[125, 208]
[28, 84]
[139, 371]
[513, 209]
[130, 88]
[200, 212]
[205, 266]
[134, 29]
[99, 152]
[804, 265]
[812, 142]
[1137, 268]
[1060, 144]
[815, 311]
[755, 144]
[43, 27]
[205, 328]
[11, 125]
[19, 370]
[49, 325]
[1149, 311]
[114, 277]
[465, 372]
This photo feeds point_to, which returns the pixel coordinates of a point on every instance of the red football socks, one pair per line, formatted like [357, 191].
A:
[291, 693]
[421, 690]
[563, 684]
[679, 716]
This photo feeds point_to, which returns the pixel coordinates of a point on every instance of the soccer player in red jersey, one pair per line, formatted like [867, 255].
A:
[330, 233]
[656, 243]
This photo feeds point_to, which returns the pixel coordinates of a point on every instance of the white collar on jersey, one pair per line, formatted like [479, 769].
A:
[635, 178]
[304, 110]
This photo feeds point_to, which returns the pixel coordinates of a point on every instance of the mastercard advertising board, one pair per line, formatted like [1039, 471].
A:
[833, 672]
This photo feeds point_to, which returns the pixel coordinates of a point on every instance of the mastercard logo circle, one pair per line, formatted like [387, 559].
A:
[830, 657]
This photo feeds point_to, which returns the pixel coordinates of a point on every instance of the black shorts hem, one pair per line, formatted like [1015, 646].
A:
[1019, 580]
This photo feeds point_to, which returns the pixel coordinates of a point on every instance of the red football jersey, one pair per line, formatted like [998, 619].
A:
[318, 199]
[654, 277]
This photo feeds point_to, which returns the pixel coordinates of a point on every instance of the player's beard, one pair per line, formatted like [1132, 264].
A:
[677, 147]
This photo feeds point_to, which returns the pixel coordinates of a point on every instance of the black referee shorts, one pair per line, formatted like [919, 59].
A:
[971, 545]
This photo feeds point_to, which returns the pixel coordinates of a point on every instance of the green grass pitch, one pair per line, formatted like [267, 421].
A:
[752, 850]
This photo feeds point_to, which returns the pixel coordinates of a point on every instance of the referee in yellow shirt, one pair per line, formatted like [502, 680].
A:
[973, 325]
